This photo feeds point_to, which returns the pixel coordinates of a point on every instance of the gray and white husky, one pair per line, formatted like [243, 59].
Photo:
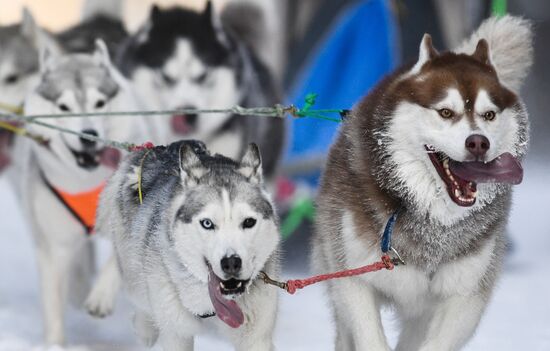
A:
[191, 252]
[441, 140]
[50, 177]
[186, 59]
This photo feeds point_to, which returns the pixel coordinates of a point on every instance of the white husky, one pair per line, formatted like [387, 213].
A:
[58, 182]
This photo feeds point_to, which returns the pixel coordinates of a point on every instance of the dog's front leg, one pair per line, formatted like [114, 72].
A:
[54, 263]
[102, 298]
[358, 314]
[453, 323]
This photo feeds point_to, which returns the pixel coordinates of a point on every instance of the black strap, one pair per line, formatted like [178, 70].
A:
[54, 191]
[206, 315]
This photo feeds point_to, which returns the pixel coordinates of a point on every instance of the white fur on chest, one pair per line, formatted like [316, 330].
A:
[410, 289]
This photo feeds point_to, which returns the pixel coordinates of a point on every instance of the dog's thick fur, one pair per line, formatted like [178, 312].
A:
[164, 252]
[379, 163]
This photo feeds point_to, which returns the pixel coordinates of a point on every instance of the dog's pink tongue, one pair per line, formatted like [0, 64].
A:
[226, 310]
[110, 157]
[180, 125]
[503, 169]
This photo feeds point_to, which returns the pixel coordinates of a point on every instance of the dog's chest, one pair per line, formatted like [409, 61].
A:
[410, 287]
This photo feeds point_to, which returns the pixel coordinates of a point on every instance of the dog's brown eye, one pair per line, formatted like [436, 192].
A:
[249, 223]
[99, 104]
[489, 115]
[446, 113]
[64, 108]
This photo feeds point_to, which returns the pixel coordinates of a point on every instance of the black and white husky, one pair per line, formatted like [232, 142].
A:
[191, 252]
[185, 59]
[440, 140]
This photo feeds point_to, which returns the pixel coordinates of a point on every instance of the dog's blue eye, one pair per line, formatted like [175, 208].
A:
[207, 224]
[249, 223]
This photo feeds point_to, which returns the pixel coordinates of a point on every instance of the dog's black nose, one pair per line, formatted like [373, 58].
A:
[232, 264]
[477, 145]
[87, 142]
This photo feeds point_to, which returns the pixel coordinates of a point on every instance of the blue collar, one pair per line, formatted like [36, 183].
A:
[385, 243]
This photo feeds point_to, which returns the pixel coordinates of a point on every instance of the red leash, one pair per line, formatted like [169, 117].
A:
[292, 285]
[145, 146]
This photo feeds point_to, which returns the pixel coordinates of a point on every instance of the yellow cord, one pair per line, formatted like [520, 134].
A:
[18, 110]
[12, 128]
[140, 194]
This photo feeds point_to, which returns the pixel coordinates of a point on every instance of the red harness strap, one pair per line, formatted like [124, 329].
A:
[292, 285]
[82, 205]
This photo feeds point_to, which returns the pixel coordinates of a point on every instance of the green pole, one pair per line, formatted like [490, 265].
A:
[499, 8]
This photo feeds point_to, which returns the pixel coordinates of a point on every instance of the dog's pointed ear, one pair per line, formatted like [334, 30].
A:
[426, 53]
[482, 52]
[38, 37]
[208, 10]
[213, 19]
[28, 25]
[154, 14]
[251, 164]
[101, 53]
[191, 167]
[46, 59]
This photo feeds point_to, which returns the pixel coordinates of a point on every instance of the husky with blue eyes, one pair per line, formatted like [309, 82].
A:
[198, 241]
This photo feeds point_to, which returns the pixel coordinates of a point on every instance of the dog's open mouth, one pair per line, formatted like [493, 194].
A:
[220, 291]
[461, 178]
[183, 124]
[92, 158]
[233, 286]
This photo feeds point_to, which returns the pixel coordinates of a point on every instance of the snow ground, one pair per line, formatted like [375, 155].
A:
[518, 317]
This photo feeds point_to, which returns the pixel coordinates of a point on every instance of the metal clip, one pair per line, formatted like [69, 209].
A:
[397, 260]
[268, 280]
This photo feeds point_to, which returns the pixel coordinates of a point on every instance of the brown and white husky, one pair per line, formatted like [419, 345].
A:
[442, 141]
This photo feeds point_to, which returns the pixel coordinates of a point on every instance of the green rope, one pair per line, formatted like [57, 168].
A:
[499, 8]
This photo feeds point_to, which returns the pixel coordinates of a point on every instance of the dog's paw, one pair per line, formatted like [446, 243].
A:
[99, 304]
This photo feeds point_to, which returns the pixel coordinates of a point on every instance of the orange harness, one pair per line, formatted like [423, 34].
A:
[81, 205]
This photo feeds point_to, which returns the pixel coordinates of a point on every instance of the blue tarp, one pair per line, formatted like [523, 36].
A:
[360, 49]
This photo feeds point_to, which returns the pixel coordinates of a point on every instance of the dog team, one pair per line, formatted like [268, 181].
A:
[436, 145]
